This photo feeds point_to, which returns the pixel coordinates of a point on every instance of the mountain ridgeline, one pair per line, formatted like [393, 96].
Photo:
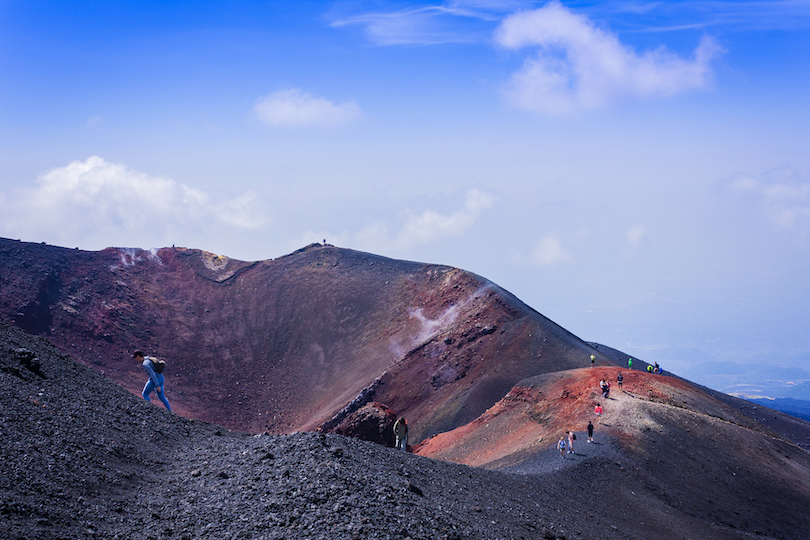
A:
[284, 345]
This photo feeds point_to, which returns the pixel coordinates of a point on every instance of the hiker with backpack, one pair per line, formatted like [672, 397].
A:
[561, 446]
[571, 437]
[154, 368]
[401, 432]
[590, 431]
[605, 387]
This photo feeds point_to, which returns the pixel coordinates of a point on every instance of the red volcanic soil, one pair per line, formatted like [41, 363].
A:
[534, 413]
[683, 448]
[286, 344]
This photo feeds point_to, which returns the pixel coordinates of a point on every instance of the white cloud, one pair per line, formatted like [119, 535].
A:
[549, 252]
[431, 225]
[417, 229]
[95, 204]
[635, 235]
[579, 66]
[782, 191]
[295, 107]
[456, 21]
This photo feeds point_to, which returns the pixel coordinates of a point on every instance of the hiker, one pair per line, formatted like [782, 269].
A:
[401, 431]
[630, 363]
[561, 446]
[571, 437]
[649, 368]
[590, 431]
[598, 412]
[606, 390]
[593, 359]
[620, 380]
[155, 381]
[657, 369]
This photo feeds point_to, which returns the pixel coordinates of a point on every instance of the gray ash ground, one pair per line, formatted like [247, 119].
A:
[83, 458]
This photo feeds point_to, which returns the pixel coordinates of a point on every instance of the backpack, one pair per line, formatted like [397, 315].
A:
[160, 365]
[574, 437]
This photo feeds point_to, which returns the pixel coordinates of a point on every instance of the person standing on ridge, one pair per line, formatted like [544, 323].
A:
[590, 431]
[156, 379]
[401, 432]
[629, 363]
[593, 359]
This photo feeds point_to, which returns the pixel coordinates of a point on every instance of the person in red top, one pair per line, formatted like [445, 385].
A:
[598, 411]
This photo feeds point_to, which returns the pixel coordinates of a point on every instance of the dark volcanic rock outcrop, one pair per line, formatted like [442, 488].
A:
[372, 422]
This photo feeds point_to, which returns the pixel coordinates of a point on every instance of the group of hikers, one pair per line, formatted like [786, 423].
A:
[566, 443]
[651, 368]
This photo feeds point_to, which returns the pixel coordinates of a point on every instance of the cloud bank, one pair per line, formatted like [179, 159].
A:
[295, 107]
[549, 251]
[430, 225]
[416, 229]
[95, 203]
[635, 235]
[783, 192]
[579, 66]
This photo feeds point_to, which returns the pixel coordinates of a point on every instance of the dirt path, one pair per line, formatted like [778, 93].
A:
[619, 413]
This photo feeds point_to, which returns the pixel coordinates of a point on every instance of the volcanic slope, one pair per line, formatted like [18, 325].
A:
[286, 344]
[680, 449]
[83, 458]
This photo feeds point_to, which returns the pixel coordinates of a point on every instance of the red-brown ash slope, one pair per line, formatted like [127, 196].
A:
[285, 344]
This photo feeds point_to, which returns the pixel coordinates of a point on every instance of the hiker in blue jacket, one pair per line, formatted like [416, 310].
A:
[561, 446]
[155, 381]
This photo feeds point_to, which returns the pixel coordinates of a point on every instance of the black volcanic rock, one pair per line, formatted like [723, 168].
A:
[373, 422]
[83, 458]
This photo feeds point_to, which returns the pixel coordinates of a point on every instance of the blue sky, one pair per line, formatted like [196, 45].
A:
[636, 171]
